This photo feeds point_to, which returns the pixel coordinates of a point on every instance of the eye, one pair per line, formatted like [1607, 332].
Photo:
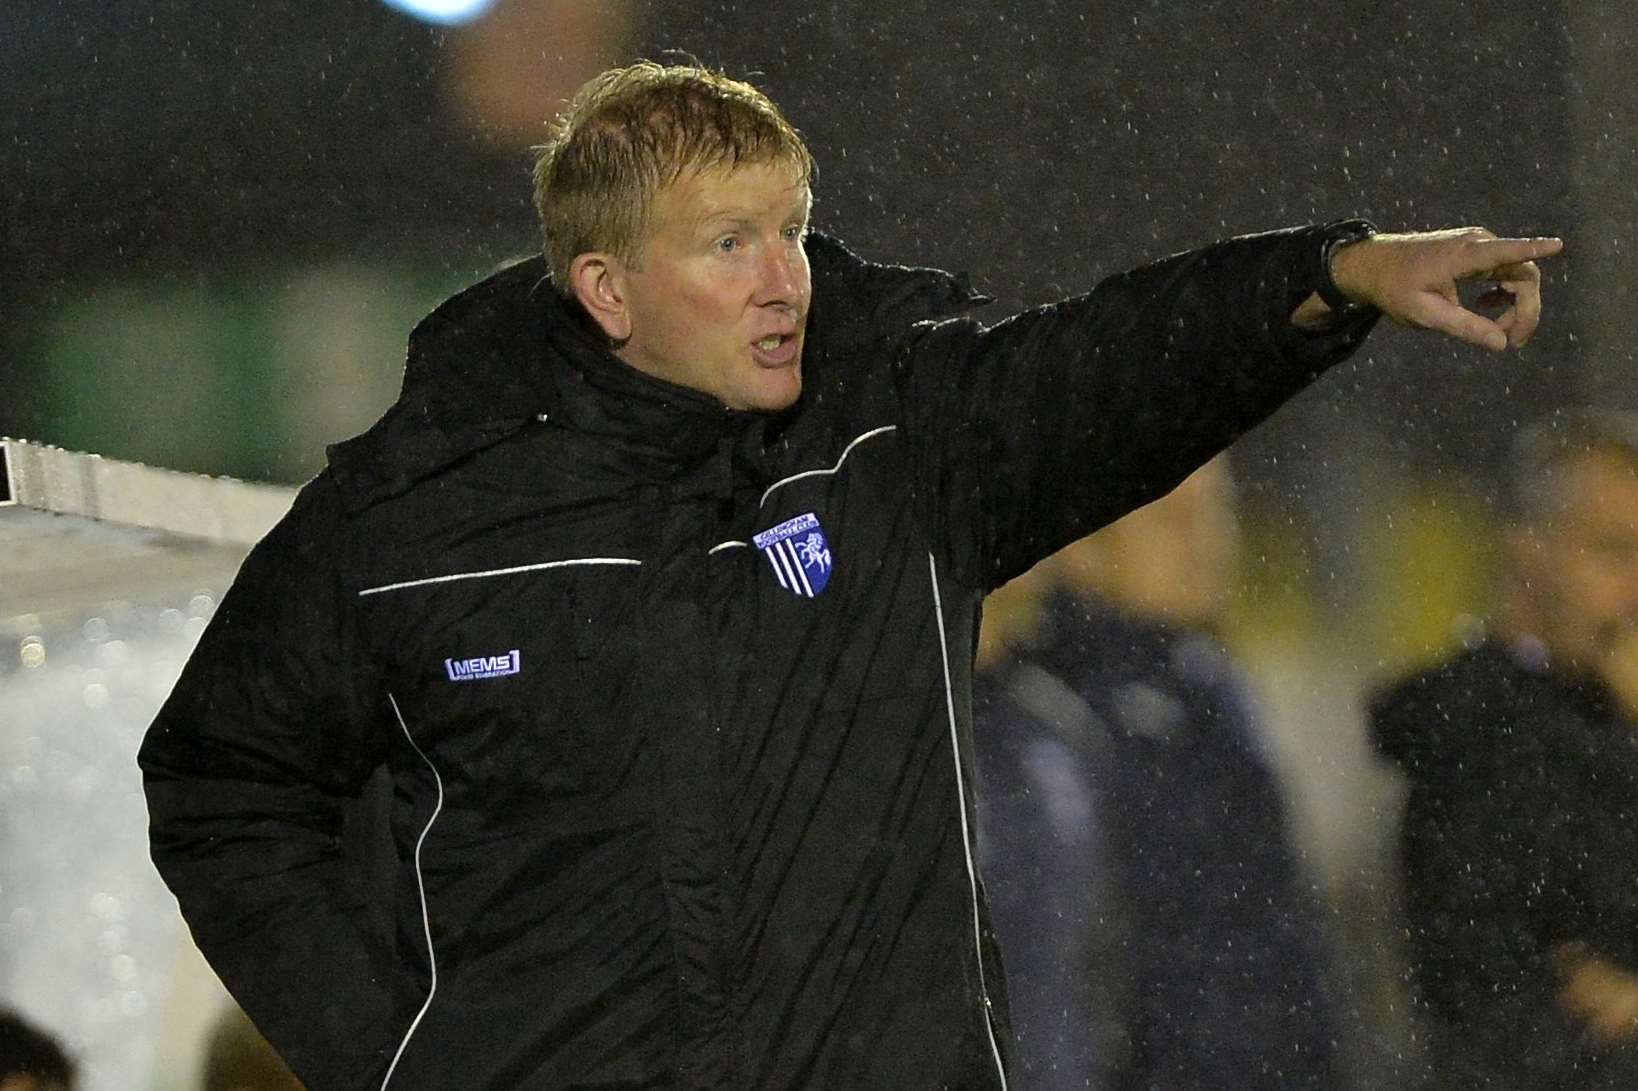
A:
[728, 244]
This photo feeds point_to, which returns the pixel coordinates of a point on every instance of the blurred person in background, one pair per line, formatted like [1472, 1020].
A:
[1135, 840]
[1052, 903]
[238, 1058]
[1519, 849]
[31, 1059]
[655, 596]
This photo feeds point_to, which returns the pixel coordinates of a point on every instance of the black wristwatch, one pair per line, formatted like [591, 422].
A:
[1346, 232]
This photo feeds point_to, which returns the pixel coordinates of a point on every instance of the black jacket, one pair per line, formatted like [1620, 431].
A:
[1518, 836]
[664, 814]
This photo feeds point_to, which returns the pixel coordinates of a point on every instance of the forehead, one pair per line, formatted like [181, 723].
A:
[747, 191]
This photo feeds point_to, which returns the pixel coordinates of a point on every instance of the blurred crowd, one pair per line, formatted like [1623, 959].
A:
[1150, 896]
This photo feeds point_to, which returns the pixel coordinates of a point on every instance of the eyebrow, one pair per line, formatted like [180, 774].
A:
[733, 216]
[738, 216]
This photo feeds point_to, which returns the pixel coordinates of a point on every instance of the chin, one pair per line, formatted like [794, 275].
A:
[774, 405]
[772, 394]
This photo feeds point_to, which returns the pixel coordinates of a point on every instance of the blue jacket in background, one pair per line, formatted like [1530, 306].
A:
[1144, 891]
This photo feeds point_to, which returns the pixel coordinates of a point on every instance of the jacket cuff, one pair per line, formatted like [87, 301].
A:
[1338, 235]
[1310, 274]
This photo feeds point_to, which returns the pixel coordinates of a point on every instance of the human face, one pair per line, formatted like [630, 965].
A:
[718, 300]
[1582, 562]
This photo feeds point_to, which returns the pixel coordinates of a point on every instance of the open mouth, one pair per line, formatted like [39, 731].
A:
[775, 350]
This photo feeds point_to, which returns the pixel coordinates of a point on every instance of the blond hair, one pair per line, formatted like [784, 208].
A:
[630, 132]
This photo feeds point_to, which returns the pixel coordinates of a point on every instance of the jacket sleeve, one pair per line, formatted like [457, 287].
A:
[248, 768]
[1032, 433]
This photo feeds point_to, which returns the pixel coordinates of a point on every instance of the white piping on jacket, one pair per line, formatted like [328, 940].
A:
[845, 451]
[496, 572]
[421, 887]
[720, 546]
[961, 802]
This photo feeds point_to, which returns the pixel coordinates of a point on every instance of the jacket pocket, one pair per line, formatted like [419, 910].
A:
[505, 682]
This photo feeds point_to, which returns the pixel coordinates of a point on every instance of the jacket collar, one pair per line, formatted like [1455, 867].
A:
[510, 350]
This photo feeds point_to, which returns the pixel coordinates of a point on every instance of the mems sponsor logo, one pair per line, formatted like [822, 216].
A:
[483, 666]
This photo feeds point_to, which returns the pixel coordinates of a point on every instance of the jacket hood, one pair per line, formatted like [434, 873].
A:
[510, 350]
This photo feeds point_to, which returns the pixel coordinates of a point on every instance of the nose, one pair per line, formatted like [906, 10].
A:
[783, 279]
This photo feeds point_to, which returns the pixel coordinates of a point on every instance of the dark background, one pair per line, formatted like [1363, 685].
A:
[1039, 146]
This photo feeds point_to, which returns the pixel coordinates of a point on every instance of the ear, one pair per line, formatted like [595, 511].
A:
[598, 281]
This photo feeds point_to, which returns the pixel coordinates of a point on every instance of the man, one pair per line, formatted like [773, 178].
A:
[1518, 842]
[1146, 897]
[654, 595]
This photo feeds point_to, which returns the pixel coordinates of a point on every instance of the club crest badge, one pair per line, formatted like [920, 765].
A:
[799, 554]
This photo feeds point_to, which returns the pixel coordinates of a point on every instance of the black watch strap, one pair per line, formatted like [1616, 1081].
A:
[1348, 231]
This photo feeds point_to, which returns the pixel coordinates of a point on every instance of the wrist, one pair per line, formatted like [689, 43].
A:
[1330, 292]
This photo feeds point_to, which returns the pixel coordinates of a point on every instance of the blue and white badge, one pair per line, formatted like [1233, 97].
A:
[799, 554]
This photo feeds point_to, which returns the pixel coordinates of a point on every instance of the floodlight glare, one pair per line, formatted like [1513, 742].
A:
[446, 12]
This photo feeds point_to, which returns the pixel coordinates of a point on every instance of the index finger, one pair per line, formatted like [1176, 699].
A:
[1494, 253]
